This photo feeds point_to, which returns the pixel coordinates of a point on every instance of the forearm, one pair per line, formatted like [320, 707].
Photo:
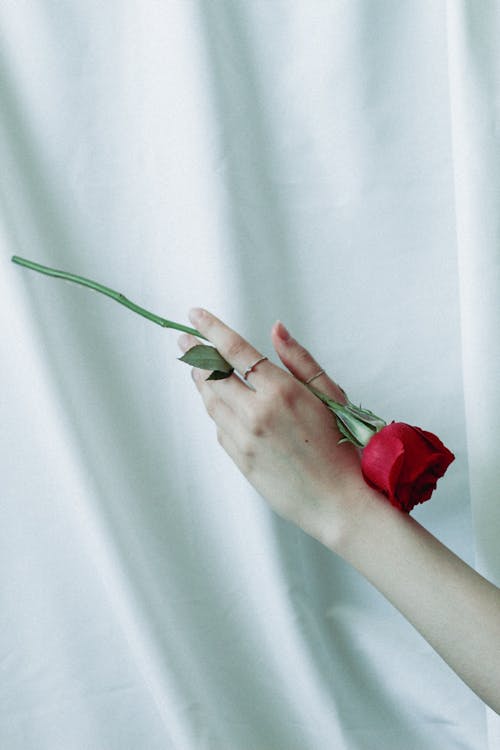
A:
[451, 605]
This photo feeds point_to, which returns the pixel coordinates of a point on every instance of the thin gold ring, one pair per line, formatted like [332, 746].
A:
[321, 372]
[250, 367]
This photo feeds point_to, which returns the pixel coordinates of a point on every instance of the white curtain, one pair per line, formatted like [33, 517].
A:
[330, 163]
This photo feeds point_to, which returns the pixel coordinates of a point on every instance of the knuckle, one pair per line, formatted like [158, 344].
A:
[256, 424]
[304, 356]
[283, 394]
[306, 363]
[247, 450]
[235, 348]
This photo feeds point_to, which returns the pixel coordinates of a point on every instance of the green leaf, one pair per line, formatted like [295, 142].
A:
[207, 358]
[218, 375]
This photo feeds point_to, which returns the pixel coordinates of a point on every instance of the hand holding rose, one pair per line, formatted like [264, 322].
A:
[401, 461]
[281, 437]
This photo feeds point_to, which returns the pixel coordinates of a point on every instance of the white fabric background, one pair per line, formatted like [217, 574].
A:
[333, 164]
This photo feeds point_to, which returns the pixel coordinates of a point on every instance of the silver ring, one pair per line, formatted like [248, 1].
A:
[321, 372]
[250, 368]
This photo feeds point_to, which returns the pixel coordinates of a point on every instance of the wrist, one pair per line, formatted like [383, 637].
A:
[356, 508]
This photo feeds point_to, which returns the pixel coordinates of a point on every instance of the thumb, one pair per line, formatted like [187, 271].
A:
[301, 364]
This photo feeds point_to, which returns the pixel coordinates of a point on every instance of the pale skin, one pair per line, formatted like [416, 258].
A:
[284, 441]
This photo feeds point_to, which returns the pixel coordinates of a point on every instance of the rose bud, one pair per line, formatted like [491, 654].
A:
[404, 463]
[400, 461]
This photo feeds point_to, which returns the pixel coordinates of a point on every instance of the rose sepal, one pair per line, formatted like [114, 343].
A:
[358, 425]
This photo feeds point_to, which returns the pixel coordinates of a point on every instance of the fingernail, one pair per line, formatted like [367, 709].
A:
[282, 332]
[183, 341]
[195, 314]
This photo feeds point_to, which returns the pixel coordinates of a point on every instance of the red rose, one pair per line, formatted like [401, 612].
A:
[404, 463]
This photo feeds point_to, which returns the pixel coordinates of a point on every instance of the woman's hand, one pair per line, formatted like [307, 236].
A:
[282, 437]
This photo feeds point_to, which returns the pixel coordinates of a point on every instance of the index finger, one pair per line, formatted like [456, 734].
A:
[235, 349]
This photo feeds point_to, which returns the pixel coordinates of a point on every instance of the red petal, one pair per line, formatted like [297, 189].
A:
[382, 461]
[404, 462]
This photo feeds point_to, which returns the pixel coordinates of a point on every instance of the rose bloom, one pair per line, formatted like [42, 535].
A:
[404, 463]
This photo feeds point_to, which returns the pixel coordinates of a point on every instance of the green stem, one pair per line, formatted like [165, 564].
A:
[358, 425]
[117, 296]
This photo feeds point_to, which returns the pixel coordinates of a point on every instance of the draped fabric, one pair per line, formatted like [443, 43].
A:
[333, 164]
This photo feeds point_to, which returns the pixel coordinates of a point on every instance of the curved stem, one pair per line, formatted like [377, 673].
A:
[117, 296]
